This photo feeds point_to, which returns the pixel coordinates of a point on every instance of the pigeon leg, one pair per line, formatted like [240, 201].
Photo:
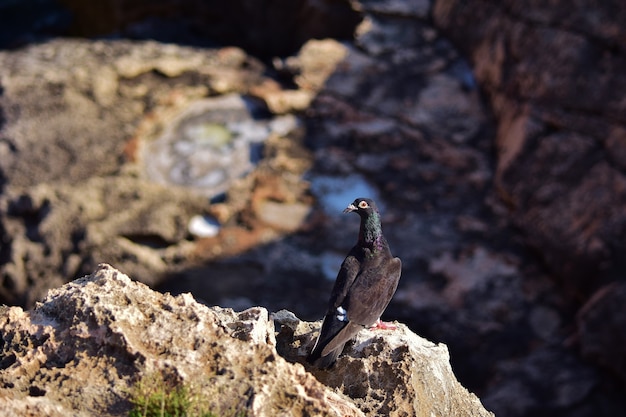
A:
[383, 325]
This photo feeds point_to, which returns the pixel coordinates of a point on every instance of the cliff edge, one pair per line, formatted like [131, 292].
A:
[88, 344]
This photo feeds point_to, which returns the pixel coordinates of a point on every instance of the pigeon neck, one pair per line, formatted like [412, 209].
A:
[371, 233]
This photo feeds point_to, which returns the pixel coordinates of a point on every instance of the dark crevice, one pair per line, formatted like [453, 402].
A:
[153, 241]
[265, 29]
[35, 391]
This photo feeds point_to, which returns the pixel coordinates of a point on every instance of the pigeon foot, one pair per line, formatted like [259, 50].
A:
[383, 325]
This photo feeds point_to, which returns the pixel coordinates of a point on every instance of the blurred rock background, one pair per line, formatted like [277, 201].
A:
[210, 148]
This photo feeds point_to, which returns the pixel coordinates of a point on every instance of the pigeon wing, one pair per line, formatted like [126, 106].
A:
[373, 290]
[348, 272]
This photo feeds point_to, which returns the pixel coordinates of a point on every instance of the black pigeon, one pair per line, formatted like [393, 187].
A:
[367, 280]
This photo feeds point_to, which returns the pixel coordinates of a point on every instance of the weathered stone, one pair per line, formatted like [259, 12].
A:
[81, 349]
[554, 75]
[69, 228]
[310, 68]
[391, 373]
[547, 377]
[288, 217]
[210, 144]
[86, 343]
[413, 8]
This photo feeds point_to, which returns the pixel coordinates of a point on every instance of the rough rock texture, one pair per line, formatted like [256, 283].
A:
[80, 350]
[403, 375]
[94, 94]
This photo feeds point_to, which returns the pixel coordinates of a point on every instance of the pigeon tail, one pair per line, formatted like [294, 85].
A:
[324, 362]
[333, 336]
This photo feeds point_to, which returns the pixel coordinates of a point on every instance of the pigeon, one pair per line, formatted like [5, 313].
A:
[366, 281]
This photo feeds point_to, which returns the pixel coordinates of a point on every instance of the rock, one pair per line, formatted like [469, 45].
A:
[413, 8]
[418, 370]
[316, 61]
[467, 275]
[104, 181]
[81, 349]
[288, 217]
[556, 136]
[67, 228]
[90, 96]
[553, 73]
[311, 67]
[497, 174]
[210, 144]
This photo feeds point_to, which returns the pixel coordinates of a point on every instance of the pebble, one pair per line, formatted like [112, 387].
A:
[203, 226]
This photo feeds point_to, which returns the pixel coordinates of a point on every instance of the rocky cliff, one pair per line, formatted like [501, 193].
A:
[201, 149]
[82, 349]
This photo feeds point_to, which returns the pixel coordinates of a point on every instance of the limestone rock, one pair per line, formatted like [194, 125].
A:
[81, 349]
[68, 228]
[90, 95]
[386, 373]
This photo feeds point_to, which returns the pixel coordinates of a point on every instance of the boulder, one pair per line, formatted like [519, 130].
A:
[83, 348]
[385, 373]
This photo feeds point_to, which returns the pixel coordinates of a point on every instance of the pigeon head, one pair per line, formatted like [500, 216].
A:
[370, 232]
[362, 206]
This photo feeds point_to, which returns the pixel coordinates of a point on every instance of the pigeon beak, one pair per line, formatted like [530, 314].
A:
[350, 208]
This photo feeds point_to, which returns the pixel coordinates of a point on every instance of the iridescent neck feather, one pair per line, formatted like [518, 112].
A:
[371, 233]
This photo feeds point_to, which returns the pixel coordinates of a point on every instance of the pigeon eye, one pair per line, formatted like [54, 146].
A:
[363, 204]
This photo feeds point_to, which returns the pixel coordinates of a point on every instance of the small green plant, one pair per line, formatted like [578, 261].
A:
[155, 395]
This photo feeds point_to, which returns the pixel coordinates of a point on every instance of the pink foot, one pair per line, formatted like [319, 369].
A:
[383, 325]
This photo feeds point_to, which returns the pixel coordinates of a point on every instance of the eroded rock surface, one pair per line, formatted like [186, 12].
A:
[80, 350]
[390, 373]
